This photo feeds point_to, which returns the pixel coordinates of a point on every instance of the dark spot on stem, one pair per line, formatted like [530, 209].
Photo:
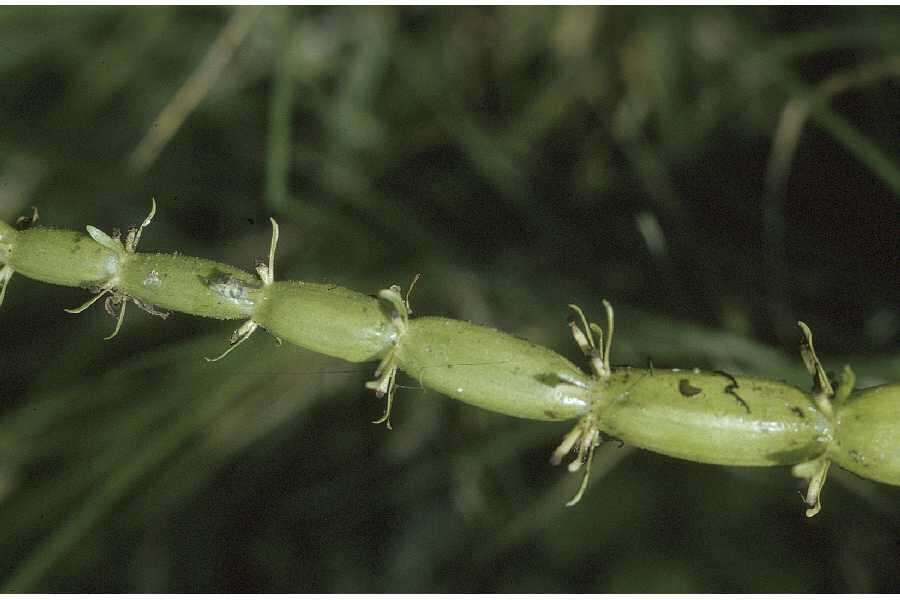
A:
[551, 379]
[548, 379]
[731, 387]
[798, 411]
[686, 389]
[550, 414]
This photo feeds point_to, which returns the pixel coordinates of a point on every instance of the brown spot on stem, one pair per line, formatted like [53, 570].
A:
[686, 389]
[731, 387]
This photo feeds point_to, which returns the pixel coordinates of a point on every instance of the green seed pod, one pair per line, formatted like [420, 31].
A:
[712, 417]
[867, 438]
[327, 319]
[62, 257]
[195, 286]
[493, 370]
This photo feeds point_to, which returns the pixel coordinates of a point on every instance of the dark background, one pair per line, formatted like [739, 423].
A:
[717, 173]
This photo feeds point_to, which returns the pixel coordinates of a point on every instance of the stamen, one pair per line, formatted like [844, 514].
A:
[240, 335]
[272, 245]
[586, 436]
[87, 304]
[610, 322]
[6, 274]
[391, 386]
[119, 321]
[587, 472]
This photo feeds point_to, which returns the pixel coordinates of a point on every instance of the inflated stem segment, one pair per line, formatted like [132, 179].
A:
[196, 286]
[327, 319]
[493, 370]
[62, 257]
[712, 417]
[321, 317]
[867, 436]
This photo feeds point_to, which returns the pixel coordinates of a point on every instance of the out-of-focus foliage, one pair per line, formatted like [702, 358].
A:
[717, 173]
